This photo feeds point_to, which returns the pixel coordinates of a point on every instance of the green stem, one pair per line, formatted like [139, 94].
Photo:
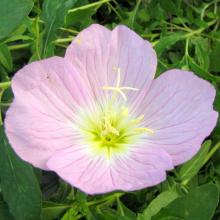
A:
[207, 6]
[115, 11]
[105, 199]
[1, 122]
[135, 13]
[60, 45]
[186, 29]
[37, 40]
[69, 30]
[5, 85]
[19, 46]
[200, 30]
[212, 152]
[64, 40]
[5, 104]
[88, 6]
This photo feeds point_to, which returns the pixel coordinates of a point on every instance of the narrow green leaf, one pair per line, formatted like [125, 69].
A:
[214, 57]
[124, 211]
[201, 72]
[167, 41]
[162, 200]
[53, 14]
[199, 204]
[19, 185]
[52, 210]
[75, 15]
[201, 52]
[172, 218]
[5, 57]
[71, 214]
[192, 167]
[12, 14]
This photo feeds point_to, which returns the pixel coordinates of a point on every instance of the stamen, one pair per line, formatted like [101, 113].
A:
[114, 129]
[118, 88]
[138, 119]
[141, 129]
[108, 128]
[129, 88]
[118, 78]
[148, 130]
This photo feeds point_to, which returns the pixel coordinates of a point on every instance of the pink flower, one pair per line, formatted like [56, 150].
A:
[99, 120]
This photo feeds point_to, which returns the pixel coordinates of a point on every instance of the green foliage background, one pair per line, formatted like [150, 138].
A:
[185, 35]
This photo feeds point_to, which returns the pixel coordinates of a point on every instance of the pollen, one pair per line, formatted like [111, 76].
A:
[78, 41]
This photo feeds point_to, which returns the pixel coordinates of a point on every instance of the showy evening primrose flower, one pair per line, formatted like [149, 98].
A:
[98, 119]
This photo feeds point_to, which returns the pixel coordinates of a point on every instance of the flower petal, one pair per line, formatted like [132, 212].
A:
[88, 53]
[179, 109]
[41, 118]
[95, 175]
[100, 53]
[134, 56]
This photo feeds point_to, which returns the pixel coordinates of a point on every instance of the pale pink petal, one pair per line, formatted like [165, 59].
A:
[42, 117]
[88, 53]
[179, 109]
[144, 166]
[94, 174]
[134, 56]
[99, 54]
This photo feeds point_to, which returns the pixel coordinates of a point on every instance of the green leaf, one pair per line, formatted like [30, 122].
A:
[5, 57]
[202, 52]
[192, 167]
[199, 204]
[124, 211]
[19, 185]
[4, 212]
[171, 218]
[81, 196]
[94, 214]
[161, 201]
[53, 14]
[214, 58]
[171, 6]
[201, 72]
[75, 15]
[12, 14]
[52, 210]
[167, 41]
[71, 214]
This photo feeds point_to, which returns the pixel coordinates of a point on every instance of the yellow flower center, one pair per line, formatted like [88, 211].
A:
[112, 129]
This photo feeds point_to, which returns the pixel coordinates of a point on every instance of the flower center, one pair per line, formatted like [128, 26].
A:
[112, 129]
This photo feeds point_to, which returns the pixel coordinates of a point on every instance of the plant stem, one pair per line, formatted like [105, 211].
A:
[5, 85]
[69, 30]
[105, 199]
[212, 151]
[63, 40]
[19, 46]
[115, 11]
[1, 122]
[88, 6]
